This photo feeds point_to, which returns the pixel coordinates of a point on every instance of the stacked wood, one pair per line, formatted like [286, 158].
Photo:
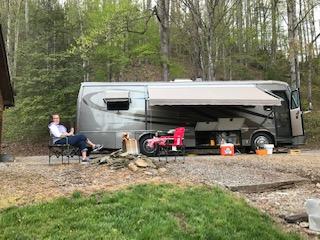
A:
[129, 145]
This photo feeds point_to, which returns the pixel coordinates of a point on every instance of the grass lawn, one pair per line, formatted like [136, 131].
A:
[142, 212]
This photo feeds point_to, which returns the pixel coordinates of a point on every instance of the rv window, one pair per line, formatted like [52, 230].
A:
[117, 104]
[295, 99]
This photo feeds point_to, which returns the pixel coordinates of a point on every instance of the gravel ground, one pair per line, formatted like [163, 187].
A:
[228, 171]
[31, 179]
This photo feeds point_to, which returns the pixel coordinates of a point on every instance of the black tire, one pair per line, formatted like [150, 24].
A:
[144, 149]
[259, 139]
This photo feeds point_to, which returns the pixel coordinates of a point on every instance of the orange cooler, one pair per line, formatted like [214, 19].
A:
[227, 149]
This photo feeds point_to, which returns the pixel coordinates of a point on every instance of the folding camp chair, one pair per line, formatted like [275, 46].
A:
[170, 144]
[62, 150]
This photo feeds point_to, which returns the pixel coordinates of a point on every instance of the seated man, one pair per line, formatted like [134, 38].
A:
[60, 135]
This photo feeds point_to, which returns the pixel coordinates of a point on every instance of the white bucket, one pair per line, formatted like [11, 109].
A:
[269, 148]
[313, 209]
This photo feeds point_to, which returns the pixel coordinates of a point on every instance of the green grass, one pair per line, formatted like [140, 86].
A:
[142, 212]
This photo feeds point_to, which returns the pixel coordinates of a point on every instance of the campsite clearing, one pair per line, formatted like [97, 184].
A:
[31, 179]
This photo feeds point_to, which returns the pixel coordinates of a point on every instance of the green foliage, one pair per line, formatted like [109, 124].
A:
[142, 212]
[311, 124]
[119, 40]
[48, 77]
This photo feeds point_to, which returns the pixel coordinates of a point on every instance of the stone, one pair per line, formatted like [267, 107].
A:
[104, 159]
[125, 154]
[148, 173]
[150, 163]
[6, 158]
[310, 232]
[141, 163]
[304, 224]
[131, 157]
[116, 153]
[132, 167]
[318, 185]
[162, 170]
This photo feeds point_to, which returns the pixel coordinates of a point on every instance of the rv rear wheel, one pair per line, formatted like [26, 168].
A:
[259, 139]
[145, 149]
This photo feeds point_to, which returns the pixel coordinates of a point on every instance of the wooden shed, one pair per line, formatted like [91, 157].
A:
[6, 91]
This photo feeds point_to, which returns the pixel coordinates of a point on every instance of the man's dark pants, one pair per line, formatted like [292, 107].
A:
[79, 141]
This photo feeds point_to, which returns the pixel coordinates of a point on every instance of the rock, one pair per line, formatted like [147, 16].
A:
[148, 173]
[132, 167]
[162, 170]
[95, 160]
[311, 232]
[117, 162]
[116, 153]
[159, 164]
[301, 217]
[141, 163]
[104, 160]
[150, 163]
[131, 157]
[304, 224]
[125, 154]
[6, 158]
[318, 185]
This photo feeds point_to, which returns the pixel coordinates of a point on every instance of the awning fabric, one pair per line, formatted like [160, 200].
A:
[231, 95]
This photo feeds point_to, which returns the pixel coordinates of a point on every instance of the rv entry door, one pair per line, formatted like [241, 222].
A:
[296, 114]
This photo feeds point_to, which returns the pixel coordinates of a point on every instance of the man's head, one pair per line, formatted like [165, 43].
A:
[55, 118]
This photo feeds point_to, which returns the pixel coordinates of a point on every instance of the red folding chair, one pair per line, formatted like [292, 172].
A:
[172, 144]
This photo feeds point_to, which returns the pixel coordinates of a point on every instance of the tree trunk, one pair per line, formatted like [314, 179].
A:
[163, 7]
[274, 10]
[248, 25]
[293, 44]
[26, 16]
[8, 40]
[16, 41]
[312, 25]
[300, 26]
[210, 8]
[240, 27]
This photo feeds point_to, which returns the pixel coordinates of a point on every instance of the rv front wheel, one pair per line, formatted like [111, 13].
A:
[260, 139]
[145, 149]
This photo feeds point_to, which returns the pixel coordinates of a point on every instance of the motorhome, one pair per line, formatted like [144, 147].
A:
[248, 114]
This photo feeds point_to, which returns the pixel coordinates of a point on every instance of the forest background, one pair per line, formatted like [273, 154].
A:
[54, 45]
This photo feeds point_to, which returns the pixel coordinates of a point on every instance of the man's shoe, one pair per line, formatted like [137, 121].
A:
[85, 161]
[97, 147]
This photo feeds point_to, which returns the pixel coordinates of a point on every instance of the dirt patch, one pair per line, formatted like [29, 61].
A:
[31, 179]
[25, 149]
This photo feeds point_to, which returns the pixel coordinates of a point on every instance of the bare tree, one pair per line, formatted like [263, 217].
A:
[274, 38]
[26, 16]
[293, 44]
[163, 7]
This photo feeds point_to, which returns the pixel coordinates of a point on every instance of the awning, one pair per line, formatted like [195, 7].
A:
[248, 95]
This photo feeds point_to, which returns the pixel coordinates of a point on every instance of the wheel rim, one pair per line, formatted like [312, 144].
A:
[260, 141]
[146, 148]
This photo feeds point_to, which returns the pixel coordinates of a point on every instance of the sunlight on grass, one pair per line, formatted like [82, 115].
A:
[142, 212]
